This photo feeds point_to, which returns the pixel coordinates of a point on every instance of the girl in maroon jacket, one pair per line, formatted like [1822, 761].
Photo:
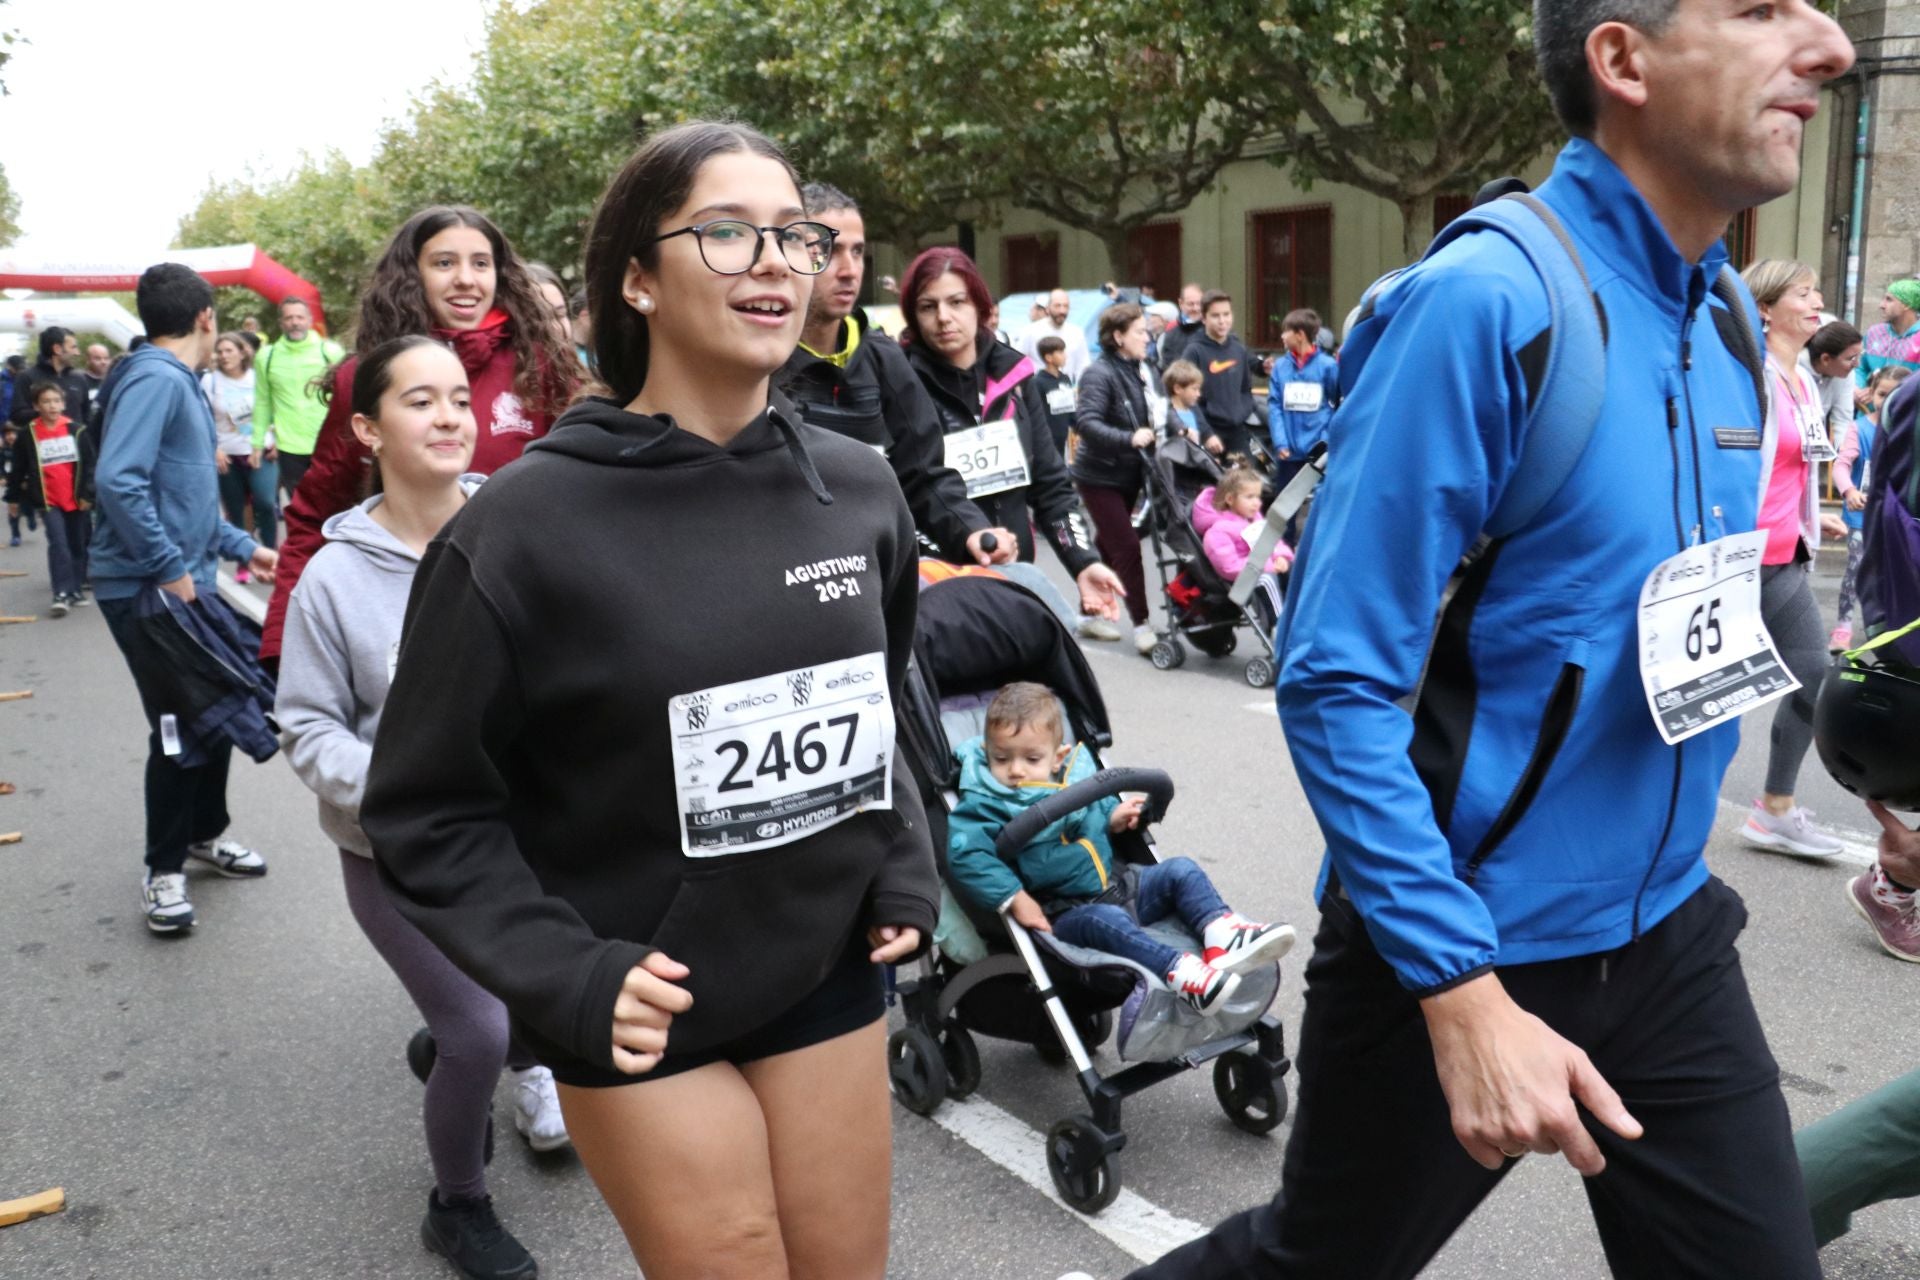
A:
[448, 272]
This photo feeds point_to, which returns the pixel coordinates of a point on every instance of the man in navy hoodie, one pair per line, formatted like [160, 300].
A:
[1521, 949]
[1227, 369]
[160, 527]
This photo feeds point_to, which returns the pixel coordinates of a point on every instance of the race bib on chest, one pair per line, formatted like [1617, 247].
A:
[764, 762]
[988, 457]
[1705, 655]
[57, 449]
[1302, 397]
[1060, 400]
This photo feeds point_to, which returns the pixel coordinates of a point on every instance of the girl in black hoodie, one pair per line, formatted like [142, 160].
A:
[636, 774]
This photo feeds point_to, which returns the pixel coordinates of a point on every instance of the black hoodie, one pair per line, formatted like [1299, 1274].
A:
[568, 647]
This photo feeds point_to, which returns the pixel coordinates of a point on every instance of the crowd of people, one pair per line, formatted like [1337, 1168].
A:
[674, 937]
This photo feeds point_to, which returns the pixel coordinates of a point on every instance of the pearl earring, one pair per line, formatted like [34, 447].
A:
[645, 304]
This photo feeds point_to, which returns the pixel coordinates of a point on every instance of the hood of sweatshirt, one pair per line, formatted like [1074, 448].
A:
[1205, 514]
[599, 431]
[357, 528]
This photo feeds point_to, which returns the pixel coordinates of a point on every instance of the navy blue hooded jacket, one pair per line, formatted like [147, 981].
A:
[1529, 810]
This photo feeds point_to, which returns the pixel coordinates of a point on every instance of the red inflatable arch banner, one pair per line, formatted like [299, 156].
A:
[233, 264]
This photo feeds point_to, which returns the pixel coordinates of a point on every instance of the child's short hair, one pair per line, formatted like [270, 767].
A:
[1212, 297]
[1891, 375]
[1024, 703]
[40, 387]
[1302, 320]
[1229, 486]
[1181, 373]
[1048, 345]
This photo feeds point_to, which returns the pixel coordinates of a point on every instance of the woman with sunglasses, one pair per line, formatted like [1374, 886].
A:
[637, 771]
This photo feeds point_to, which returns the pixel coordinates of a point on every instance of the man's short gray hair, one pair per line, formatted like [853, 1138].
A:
[1560, 31]
[824, 197]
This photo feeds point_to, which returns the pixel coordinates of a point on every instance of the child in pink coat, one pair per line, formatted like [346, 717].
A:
[1229, 518]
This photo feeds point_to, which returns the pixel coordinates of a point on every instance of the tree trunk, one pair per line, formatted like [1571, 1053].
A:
[1416, 225]
[1115, 238]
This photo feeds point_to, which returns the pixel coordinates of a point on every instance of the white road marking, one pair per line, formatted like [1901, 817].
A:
[1266, 706]
[1132, 1223]
[243, 600]
[1858, 848]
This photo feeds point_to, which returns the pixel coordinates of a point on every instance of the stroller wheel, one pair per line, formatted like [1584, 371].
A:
[962, 1058]
[1167, 654]
[1248, 1092]
[421, 1052]
[917, 1070]
[1260, 672]
[1085, 1173]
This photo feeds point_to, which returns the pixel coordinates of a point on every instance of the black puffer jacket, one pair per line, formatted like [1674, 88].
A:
[957, 396]
[1113, 405]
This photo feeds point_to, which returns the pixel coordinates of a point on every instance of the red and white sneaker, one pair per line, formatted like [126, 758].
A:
[1200, 984]
[1234, 943]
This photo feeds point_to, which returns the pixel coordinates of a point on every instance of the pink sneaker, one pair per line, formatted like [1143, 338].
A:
[1841, 640]
[241, 575]
[1893, 915]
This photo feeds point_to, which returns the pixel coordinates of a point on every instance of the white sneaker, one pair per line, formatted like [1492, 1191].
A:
[1234, 943]
[59, 607]
[1096, 628]
[1789, 832]
[229, 858]
[1144, 639]
[1202, 986]
[536, 1110]
[166, 905]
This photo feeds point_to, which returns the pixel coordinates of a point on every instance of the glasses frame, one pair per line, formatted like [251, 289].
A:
[699, 233]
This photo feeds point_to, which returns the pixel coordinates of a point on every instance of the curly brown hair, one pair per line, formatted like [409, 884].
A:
[395, 305]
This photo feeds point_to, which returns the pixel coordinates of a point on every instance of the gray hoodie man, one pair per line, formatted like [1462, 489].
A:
[342, 643]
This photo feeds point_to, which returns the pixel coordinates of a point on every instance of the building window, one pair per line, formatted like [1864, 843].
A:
[1153, 260]
[1292, 267]
[1030, 264]
[1447, 208]
[1742, 233]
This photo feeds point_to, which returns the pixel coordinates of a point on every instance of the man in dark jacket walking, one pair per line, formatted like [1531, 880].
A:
[1173, 343]
[60, 364]
[160, 527]
[849, 378]
[1226, 372]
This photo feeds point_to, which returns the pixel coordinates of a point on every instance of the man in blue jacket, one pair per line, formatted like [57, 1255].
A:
[158, 497]
[1521, 949]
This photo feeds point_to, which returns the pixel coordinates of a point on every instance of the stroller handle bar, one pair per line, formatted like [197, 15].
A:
[1016, 835]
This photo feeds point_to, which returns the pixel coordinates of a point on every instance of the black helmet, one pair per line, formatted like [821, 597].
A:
[1867, 727]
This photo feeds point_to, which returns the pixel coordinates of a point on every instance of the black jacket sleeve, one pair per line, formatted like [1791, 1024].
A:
[26, 471]
[20, 412]
[1050, 494]
[87, 441]
[936, 494]
[907, 889]
[436, 813]
[1102, 415]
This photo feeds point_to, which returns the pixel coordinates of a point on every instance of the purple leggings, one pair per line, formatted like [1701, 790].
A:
[469, 1031]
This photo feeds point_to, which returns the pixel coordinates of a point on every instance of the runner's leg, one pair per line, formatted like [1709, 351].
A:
[1792, 618]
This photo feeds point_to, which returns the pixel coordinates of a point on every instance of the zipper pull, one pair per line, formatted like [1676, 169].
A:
[1686, 355]
[1673, 415]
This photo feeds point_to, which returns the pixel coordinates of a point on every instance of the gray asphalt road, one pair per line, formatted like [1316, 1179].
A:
[235, 1104]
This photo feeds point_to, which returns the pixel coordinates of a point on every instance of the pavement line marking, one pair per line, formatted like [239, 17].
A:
[1132, 1223]
[1265, 705]
[1857, 847]
[244, 601]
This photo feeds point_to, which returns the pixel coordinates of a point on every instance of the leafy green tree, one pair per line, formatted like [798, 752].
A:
[1406, 99]
[9, 211]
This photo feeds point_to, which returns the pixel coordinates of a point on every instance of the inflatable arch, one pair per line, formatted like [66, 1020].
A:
[233, 264]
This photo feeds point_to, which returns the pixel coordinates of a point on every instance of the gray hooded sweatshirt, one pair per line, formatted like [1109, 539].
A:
[341, 645]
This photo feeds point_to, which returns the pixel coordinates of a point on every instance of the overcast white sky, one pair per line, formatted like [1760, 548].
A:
[119, 111]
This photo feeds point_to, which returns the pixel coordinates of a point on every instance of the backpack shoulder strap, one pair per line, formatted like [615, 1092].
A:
[1738, 332]
[1567, 403]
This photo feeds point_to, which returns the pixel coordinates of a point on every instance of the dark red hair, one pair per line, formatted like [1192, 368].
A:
[930, 266]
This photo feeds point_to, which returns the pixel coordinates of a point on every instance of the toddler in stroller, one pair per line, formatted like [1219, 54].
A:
[1229, 519]
[1090, 901]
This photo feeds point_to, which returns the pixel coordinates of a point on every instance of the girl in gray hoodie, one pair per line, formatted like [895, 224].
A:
[412, 408]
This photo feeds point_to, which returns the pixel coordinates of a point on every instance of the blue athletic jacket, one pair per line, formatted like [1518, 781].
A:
[1529, 811]
[1298, 430]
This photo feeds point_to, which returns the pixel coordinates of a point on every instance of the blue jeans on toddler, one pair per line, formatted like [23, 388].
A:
[1176, 887]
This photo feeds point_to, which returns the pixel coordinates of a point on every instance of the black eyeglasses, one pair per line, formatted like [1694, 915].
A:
[731, 247]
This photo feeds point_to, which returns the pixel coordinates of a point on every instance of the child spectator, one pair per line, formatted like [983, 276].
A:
[1056, 384]
[1065, 881]
[1227, 370]
[1229, 536]
[1301, 395]
[52, 479]
[1851, 467]
[1183, 380]
[10, 485]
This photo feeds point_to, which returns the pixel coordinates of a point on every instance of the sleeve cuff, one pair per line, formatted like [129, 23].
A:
[1421, 993]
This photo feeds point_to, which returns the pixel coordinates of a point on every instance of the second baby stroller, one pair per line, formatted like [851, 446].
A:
[990, 976]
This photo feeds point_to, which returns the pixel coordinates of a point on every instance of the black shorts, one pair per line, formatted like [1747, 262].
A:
[848, 998]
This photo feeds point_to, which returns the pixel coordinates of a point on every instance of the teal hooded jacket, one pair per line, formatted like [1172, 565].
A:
[1071, 858]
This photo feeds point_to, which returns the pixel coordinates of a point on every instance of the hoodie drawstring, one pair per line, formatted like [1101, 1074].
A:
[801, 457]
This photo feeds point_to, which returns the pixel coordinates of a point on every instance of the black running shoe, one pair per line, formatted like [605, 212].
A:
[469, 1235]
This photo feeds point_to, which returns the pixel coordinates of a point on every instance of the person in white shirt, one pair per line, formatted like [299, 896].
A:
[1054, 325]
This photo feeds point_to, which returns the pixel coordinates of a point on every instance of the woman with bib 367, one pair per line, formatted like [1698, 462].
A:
[654, 805]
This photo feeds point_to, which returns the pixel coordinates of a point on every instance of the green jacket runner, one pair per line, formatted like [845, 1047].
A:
[286, 401]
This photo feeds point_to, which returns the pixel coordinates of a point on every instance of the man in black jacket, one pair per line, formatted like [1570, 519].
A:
[1173, 343]
[59, 364]
[849, 378]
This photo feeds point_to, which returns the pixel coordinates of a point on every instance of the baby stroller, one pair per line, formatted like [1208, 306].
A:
[1198, 600]
[989, 976]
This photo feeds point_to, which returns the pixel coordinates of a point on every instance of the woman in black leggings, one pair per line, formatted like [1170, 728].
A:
[1114, 424]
